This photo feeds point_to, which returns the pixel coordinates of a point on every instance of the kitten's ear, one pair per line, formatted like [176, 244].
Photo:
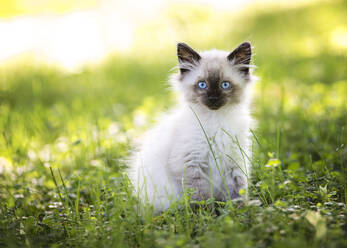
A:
[242, 56]
[187, 57]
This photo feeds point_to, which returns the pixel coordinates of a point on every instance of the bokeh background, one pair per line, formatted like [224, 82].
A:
[79, 80]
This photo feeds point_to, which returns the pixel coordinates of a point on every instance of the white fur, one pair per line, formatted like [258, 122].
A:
[176, 155]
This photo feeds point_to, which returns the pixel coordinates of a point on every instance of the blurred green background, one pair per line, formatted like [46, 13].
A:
[82, 117]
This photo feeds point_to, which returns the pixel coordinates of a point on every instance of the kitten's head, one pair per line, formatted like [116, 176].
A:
[213, 78]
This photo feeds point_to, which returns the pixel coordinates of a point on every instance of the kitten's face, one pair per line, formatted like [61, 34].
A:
[214, 89]
[214, 78]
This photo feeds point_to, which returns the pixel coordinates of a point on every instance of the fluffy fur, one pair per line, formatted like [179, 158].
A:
[202, 144]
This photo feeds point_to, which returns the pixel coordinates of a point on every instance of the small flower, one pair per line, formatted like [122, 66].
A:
[273, 162]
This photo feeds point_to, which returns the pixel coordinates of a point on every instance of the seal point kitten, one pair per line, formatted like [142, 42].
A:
[202, 144]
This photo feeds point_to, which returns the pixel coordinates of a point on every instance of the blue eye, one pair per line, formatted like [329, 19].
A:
[202, 85]
[225, 85]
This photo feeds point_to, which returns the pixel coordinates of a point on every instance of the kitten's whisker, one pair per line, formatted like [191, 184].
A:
[244, 66]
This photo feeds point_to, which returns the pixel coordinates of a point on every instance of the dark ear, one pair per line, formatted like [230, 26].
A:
[242, 56]
[186, 56]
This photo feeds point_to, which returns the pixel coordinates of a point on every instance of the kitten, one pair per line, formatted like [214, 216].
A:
[203, 144]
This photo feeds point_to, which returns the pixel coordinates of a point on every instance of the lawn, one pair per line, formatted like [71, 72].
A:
[65, 137]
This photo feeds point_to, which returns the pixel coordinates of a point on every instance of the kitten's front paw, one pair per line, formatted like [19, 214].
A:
[235, 184]
[195, 178]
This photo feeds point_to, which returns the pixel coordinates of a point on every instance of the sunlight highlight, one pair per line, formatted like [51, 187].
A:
[86, 36]
[339, 37]
[70, 40]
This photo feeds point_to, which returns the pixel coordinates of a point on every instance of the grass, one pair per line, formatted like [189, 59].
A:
[64, 138]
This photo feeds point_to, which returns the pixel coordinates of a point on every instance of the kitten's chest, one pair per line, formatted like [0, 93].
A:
[210, 140]
[222, 142]
[225, 143]
[221, 133]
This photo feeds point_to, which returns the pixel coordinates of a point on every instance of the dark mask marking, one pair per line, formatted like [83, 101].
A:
[214, 97]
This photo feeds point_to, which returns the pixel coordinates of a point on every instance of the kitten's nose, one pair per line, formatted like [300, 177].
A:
[213, 98]
[214, 101]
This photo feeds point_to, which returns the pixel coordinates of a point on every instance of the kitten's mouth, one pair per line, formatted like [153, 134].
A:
[213, 107]
[214, 104]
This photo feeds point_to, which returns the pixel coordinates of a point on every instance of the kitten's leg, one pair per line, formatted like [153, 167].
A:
[236, 180]
[196, 175]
